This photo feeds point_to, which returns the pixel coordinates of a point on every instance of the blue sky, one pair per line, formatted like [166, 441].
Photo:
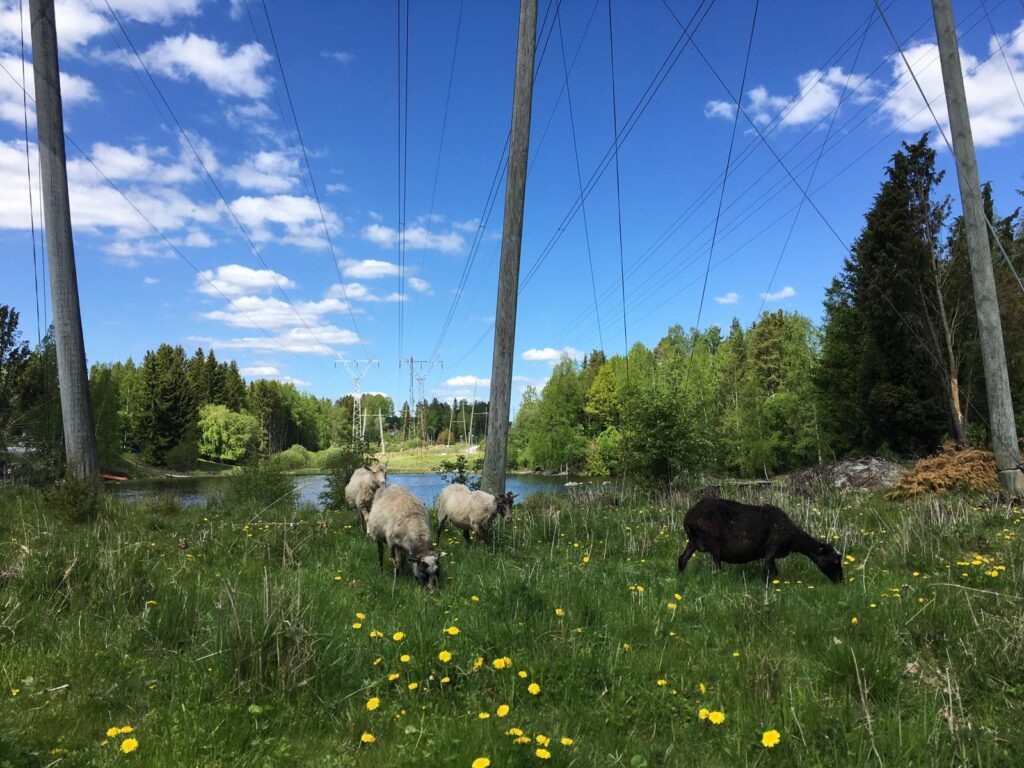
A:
[223, 81]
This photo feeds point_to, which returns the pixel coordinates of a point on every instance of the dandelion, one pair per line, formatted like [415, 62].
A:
[376, 633]
[853, 620]
[129, 745]
[15, 692]
[770, 738]
[393, 676]
[533, 688]
[542, 739]
[503, 663]
[702, 688]
[398, 637]
[586, 559]
[476, 599]
[566, 741]
[113, 731]
[543, 754]
[736, 654]
[405, 658]
[514, 732]
[703, 714]
[444, 656]
[367, 738]
[377, 661]
[478, 663]
[559, 612]
[626, 647]
[523, 674]
[151, 602]
[126, 729]
[373, 703]
[522, 740]
[413, 686]
[502, 710]
[337, 578]
[716, 717]
[484, 715]
[452, 630]
[672, 606]
[357, 625]
[360, 616]
[445, 680]
[677, 596]
[851, 559]
[481, 762]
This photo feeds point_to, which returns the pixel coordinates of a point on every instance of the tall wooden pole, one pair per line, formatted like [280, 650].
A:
[76, 408]
[990, 332]
[511, 243]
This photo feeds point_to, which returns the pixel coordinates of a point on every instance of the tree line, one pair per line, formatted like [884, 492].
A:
[895, 368]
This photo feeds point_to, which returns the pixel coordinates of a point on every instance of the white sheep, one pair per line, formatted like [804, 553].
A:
[400, 520]
[361, 487]
[470, 510]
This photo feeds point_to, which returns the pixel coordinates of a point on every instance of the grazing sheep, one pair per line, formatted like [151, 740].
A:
[472, 510]
[399, 519]
[361, 487]
[739, 533]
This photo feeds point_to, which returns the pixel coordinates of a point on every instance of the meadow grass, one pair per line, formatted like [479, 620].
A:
[236, 636]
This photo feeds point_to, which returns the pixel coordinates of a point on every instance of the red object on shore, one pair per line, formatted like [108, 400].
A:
[113, 477]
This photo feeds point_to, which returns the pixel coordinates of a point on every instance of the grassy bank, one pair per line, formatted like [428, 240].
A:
[426, 459]
[234, 637]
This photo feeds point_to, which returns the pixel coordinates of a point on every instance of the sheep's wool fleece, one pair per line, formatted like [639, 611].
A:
[462, 505]
[399, 518]
[361, 487]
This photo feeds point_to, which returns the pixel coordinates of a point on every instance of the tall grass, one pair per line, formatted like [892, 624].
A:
[224, 638]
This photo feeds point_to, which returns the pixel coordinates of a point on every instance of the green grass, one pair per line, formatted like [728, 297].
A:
[426, 459]
[229, 638]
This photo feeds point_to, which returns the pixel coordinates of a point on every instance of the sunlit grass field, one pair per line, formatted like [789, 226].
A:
[235, 637]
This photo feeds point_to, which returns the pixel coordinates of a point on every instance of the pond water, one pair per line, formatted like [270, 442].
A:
[194, 491]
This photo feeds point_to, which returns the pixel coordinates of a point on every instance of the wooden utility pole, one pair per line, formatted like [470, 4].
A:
[990, 332]
[511, 243]
[75, 406]
[380, 423]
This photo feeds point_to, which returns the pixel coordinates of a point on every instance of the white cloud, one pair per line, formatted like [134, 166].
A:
[359, 292]
[368, 269]
[723, 109]
[818, 93]
[150, 281]
[198, 239]
[467, 381]
[335, 188]
[730, 298]
[995, 108]
[298, 216]
[235, 74]
[469, 225]
[236, 280]
[415, 237]
[786, 293]
[298, 340]
[344, 57]
[271, 372]
[550, 355]
[419, 285]
[269, 172]
[74, 90]
[271, 313]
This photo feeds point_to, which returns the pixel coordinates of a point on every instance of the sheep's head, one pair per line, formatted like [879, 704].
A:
[380, 473]
[427, 570]
[828, 561]
[505, 505]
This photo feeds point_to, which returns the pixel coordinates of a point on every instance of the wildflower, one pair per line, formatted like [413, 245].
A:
[360, 616]
[445, 656]
[543, 754]
[502, 710]
[377, 661]
[566, 741]
[373, 703]
[853, 620]
[559, 612]
[736, 653]
[337, 578]
[586, 559]
[367, 738]
[376, 633]
[481, 762]
[129, 745]
[716, 717]
[452, 630]
[662, 682]
[413, 686]
[770, 738]
[703, 714]
[542, 739]
[475, 599]
[533, 688]
[523, 674]
[357, 625]
[522, 740]
[672, 606]
[514, 732]
[478, 663]
[398, 637]
[113, 731]
[393, 676]
[851, 559]
[151, 602]
[626, 646]
[503, 663]
[484, 715]
[126, 729]
[703, 688]
[405, 658]
[445, 680]
[15, 692]
[677, 596]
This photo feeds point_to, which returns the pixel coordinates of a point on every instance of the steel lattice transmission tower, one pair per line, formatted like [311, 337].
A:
[357, 370]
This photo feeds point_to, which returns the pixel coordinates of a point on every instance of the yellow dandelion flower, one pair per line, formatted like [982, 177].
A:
[586, 559]
[445, 656]
[126, 729]
[853, 620]
[484, 715]
[566, 741]
[503, 663]
[736, 653]
[626, 646]
[373, 703]
[452, 630]
[481, 762]
[677, 596]
[770, 738]
[129, 745]
[502, 710]
[151, 602]
[357, 625]
[413, 686]
[522, 740]
[702, 688]
[716, 717]
[703, 714]
[367, 738]
[360, 616]
[476, 599]
[543, 740]
[662, 682]
[445, 680]
[523, 674]
[543, 754]
[398, 637]
[478, 663]
[337, 578]
[113, 731]
[377, 661]
[405, 658]
[672, 606]
[15, 692]
[376, 633]
[514, 732]
[533, 688]
[559, 612]
[393, 676]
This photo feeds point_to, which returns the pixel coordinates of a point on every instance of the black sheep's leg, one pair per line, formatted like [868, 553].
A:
[440, 527]
[465, 535]
[716, 556]
[397, 560]
[770, 570]
[380, 554]
[687, 554]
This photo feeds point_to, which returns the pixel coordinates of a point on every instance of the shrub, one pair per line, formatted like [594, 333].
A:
[77, 500]
[461, 471]
[296, 457]
[966, 470]
[260, 487]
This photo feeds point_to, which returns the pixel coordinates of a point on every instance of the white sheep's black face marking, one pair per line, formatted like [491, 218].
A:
[505, 506]
[427, 570]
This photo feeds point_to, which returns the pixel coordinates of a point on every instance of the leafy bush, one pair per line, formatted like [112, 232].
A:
[461, 471]
[77, 500]
[603, 454]
[949, 470]
[296, 457]
[260, 487]
[184, 456]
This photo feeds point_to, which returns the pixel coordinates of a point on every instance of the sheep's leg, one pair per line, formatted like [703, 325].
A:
[716, 556]
[485, 534]
[363, 514]
[440, 527]
[397, 560]
[380, 554]
[770, 571]
[687, 554]
[465, 535]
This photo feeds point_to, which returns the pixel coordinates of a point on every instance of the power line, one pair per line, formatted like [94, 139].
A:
[1002, 53]
[618, 192]
[28, 171]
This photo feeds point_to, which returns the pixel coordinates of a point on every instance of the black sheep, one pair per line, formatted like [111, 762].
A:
[740, 533]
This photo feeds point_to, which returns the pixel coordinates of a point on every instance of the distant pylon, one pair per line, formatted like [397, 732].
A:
[357, 370]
